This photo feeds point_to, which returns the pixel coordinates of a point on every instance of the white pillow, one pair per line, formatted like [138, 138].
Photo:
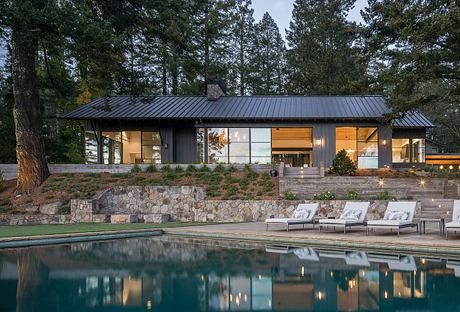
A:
[351, 214]
[397, 215]
[302, 214]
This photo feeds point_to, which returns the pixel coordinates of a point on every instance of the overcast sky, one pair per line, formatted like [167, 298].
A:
[281, 11]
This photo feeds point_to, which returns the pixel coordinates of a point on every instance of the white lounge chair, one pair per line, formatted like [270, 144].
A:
[357, 258]
[353, 214]
[395, 263]
[303, 214]
[306, 254]
[454, 225]
[398, 215]
[454, 265]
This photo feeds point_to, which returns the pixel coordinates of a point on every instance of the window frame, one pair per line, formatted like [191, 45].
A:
[411, 150]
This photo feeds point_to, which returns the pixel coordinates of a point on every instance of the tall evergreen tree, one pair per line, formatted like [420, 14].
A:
[267, 58]
[243, 33]
[323, 58]
[415, 48]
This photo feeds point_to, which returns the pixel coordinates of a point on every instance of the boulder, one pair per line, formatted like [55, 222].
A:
[50, 208]
[156, 218]
[124, 218]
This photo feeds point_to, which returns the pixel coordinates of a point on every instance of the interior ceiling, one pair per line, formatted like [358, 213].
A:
[292, 137]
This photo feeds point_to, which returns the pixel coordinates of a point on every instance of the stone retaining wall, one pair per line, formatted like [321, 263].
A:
[370, 186]
[22, 219]
[11, 170]
[156, 204]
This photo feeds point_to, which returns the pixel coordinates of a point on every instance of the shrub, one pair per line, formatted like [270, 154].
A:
[289, 195]
[325, 196]
[179, 169]
[352, 195]
[219, 168]
[385, 195]
[205, 168]
[231, 169]
[191, 168]
[135, 169]
[151, 168]
[342, 164]
[166, 169]
[120, 175]
[212, 190]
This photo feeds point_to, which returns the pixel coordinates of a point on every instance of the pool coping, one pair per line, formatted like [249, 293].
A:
[373, 246]
[65, 238]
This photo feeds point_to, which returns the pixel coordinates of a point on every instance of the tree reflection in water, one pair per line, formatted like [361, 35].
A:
[172, 274]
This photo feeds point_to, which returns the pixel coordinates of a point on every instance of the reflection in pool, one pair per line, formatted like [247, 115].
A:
[175, 274]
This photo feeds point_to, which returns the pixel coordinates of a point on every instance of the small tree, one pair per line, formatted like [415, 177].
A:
[342, 164]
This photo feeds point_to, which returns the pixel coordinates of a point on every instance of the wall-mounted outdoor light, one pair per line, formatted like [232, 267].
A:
[318, 142]
[384, 142]
[166, 145]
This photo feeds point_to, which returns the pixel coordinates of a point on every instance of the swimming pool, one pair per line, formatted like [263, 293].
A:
[169, 273]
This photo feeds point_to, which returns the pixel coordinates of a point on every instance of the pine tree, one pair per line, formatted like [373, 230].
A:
[243, 34]
[267, 54]
[322, 57]
[415, 51]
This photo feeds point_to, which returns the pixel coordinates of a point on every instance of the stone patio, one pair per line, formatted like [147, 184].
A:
[409, 241]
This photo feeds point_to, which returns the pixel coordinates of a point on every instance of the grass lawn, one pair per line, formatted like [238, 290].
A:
[31, 230]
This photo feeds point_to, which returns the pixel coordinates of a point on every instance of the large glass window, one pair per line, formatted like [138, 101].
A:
[239, 145]
[217, 145]
[151, 147]
[90, 148]
[112, 147]
[131, 147]
[367, 148]
[261, 145]
[400, 150]
[418, 150]
[361, 145]
[200, 144]
[346, 140]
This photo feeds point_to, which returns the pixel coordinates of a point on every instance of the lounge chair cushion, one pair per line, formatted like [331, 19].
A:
[453, 224]
[338, 221]
[396, 215]
[286, 220]
[302, 214]
[388, 223]
[355, 211]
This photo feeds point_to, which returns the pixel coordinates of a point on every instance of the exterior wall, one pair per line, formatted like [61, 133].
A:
[385, 135]
[179, 140]
[325, 151]
[185, 145]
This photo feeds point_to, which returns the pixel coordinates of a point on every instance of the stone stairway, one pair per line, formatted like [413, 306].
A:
[302, 172]
[435, 208]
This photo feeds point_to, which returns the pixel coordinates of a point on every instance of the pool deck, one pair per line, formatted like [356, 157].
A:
[410, 241]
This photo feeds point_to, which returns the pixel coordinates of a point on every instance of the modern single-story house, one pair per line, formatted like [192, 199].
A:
[298, 130]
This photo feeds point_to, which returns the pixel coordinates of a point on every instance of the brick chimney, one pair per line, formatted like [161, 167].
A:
[215, 89]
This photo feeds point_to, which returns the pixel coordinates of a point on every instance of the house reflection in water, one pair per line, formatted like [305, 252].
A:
[214, 279]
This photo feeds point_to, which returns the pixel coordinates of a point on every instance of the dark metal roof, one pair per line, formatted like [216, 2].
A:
[236, 108]
[413, 119]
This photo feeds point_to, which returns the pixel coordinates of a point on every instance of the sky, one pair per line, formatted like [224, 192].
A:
[281, 11]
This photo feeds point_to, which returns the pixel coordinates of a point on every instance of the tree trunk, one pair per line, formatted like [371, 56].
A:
[32, 166]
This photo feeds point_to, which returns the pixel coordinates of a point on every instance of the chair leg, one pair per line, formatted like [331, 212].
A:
[345, 229]
[288, 227]
[266, 228]
[398, 232]
[367, 231]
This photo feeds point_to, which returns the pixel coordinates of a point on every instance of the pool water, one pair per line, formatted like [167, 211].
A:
[176, 274]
